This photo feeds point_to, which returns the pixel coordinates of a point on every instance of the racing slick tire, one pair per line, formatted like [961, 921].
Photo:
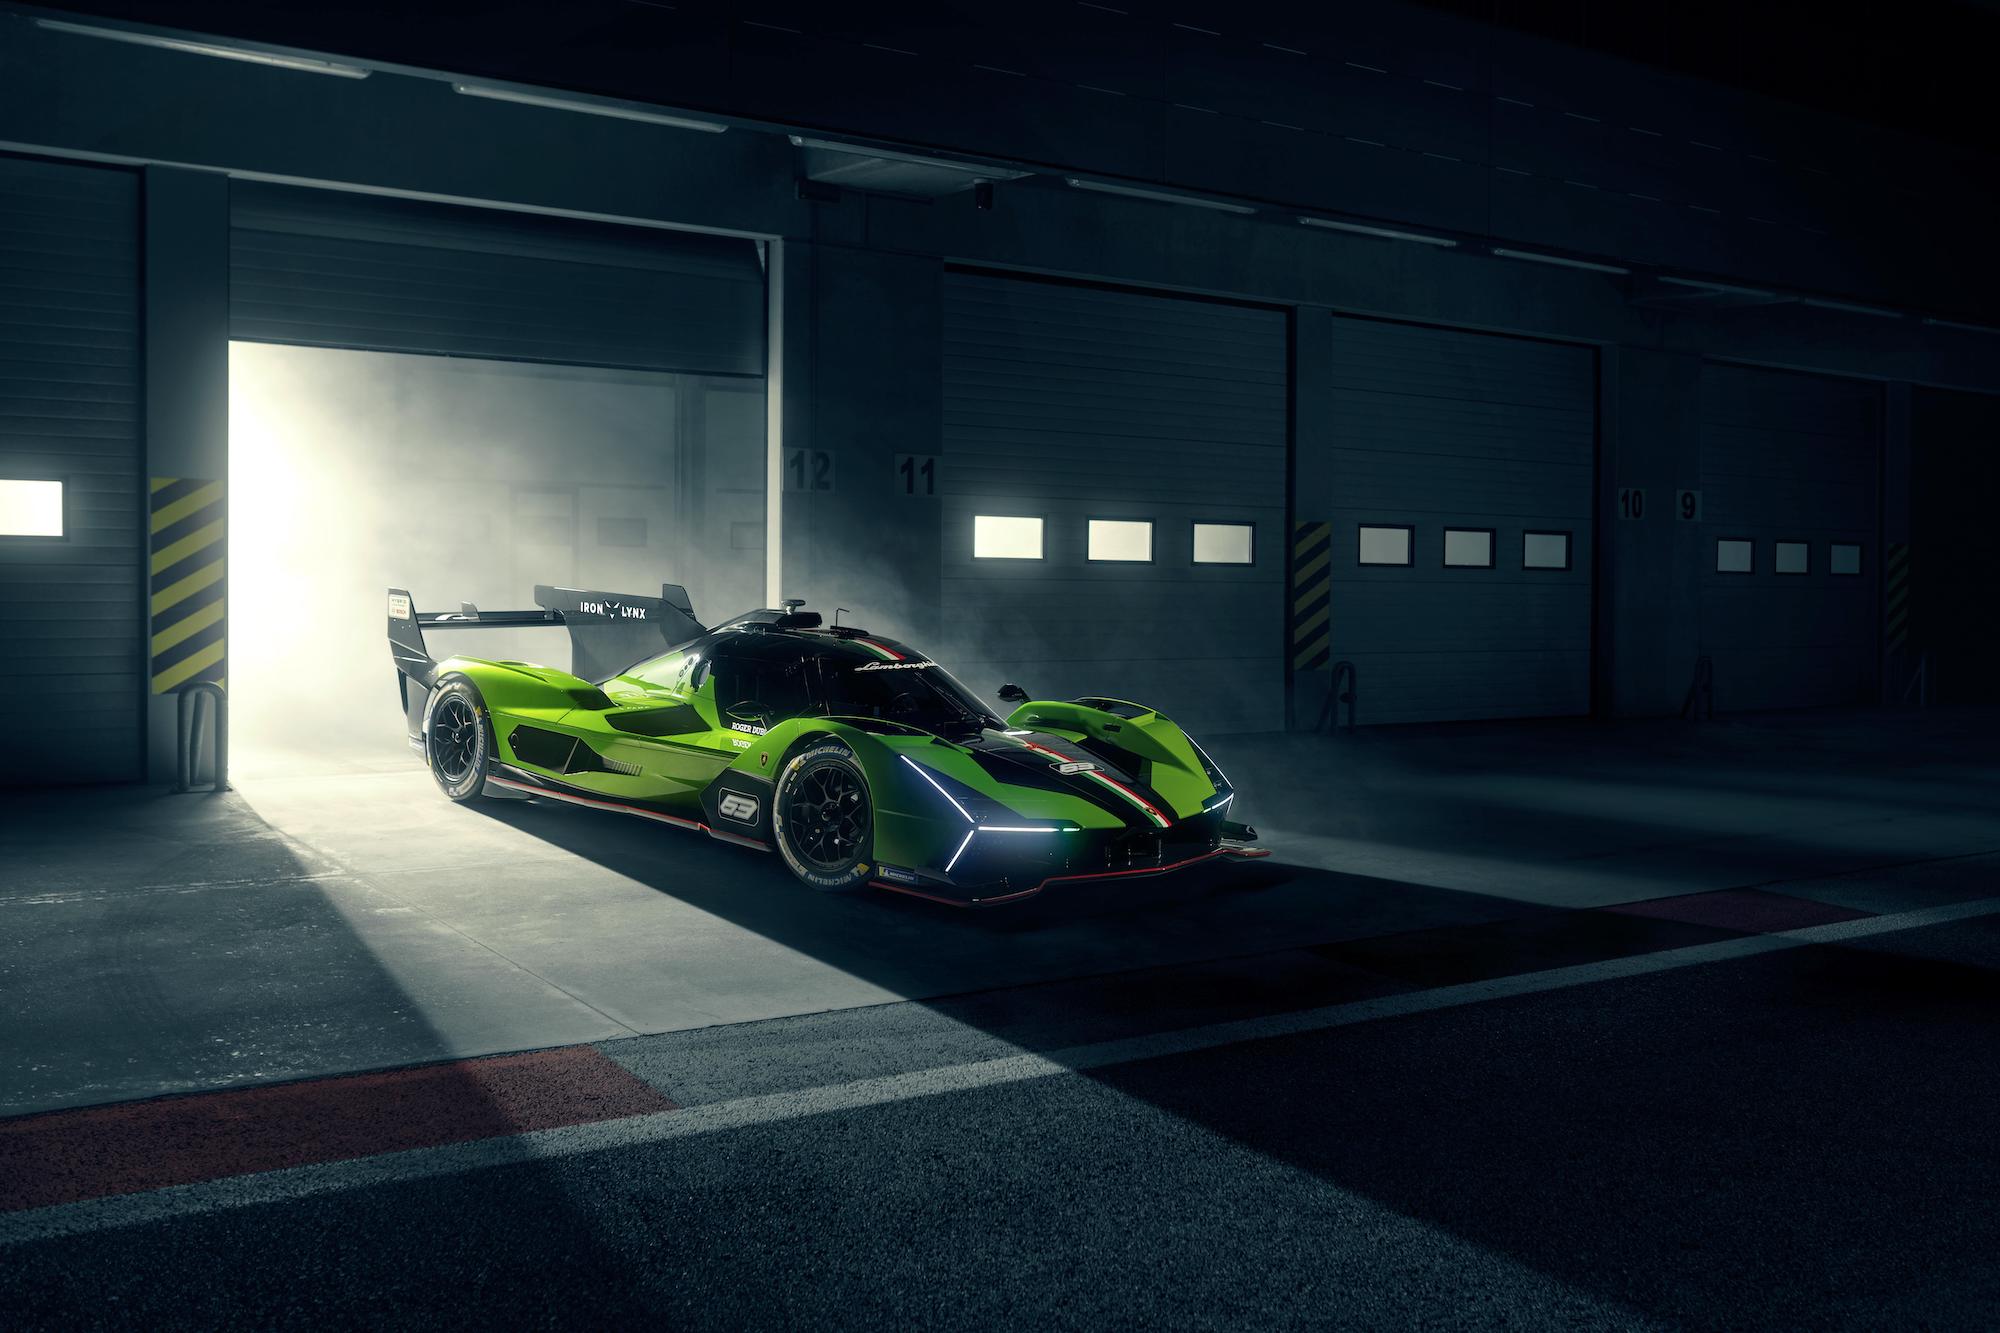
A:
[823, 818]
[458, 738]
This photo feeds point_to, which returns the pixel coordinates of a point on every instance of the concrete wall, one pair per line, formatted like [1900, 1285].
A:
[860, 331]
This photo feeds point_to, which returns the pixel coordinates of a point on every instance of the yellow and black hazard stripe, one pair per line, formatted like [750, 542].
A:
[1312, 593]
[1896, 596]
[187, 518]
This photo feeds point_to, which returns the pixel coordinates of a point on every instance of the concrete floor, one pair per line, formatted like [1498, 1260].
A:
[1650, 1026]
[318, 924]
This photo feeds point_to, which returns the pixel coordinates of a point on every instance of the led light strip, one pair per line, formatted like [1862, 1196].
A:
[942, 792]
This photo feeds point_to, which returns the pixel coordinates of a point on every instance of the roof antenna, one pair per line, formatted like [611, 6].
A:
[836, 615]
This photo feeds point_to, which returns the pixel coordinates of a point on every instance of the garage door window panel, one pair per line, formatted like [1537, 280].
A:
[1007, 537]
[1468, 548]
[1219, 543]
[32, 509]
[1545, 551]
[1735, 555]
[1792, 558]
[1120, 541]
[1385, 544]
[1843, 560]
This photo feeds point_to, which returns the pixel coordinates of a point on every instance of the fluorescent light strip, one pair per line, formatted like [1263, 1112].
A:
[940, 791]
[1850, 308]
[1722, 287]
[961, 849]
[1156, 196]
[303, 64]
[1559, 261]
[976, 169]
[1386, 233]
[1954, 324]
[589, 108]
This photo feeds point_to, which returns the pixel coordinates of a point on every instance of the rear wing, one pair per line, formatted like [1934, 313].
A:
[608, 631]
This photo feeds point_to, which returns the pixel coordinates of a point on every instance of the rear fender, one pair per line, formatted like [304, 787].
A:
[524, 692]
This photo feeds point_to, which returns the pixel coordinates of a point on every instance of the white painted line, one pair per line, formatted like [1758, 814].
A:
[303, 1182]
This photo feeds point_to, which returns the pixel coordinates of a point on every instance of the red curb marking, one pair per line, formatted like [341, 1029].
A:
[66, 1156]
[1752, 911]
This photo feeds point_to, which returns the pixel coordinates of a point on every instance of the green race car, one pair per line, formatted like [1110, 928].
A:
[859, 760]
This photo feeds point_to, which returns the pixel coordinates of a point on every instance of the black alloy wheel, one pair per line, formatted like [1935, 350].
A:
[457, 738]
[824, 824]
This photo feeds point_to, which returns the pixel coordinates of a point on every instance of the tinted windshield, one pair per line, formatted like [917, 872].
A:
[917, 694]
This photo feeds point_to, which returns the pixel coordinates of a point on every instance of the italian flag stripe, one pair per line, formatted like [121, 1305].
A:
[886, 654]
[1134, 797]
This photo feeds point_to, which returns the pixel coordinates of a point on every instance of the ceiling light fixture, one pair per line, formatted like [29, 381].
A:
[588, 108]
[1559, 261]
[303, 64]
[1386, 233]
[977, 170]
[1955, 324]
[1850, 308]
[1723, 288]
[1156, 196]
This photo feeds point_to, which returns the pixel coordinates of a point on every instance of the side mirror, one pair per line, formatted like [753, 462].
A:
[1013, 694]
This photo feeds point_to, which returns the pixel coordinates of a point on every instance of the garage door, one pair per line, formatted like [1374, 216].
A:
[1114, 490]
[1790, 469]
[69, 404]
[329, 269]
[1462, 472]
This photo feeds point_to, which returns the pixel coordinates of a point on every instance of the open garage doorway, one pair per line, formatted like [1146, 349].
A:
[464, 481]
[467, 402]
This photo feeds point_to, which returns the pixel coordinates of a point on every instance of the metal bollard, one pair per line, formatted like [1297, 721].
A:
[202, 700]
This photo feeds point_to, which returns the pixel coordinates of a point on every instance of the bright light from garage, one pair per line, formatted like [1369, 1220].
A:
[31, 508]
[1006, 537]
[1121, 539]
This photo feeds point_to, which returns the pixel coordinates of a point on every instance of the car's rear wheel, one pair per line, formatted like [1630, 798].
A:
[824, 820]
[457, 738]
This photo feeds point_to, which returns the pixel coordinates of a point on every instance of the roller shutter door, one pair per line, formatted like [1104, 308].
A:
[70, 656]
[329, 269]
[1071, 403]
[1796, 459]
[1437, 429]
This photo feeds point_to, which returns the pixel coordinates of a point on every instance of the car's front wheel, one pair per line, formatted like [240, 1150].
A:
[457, 739]
[824, 819]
